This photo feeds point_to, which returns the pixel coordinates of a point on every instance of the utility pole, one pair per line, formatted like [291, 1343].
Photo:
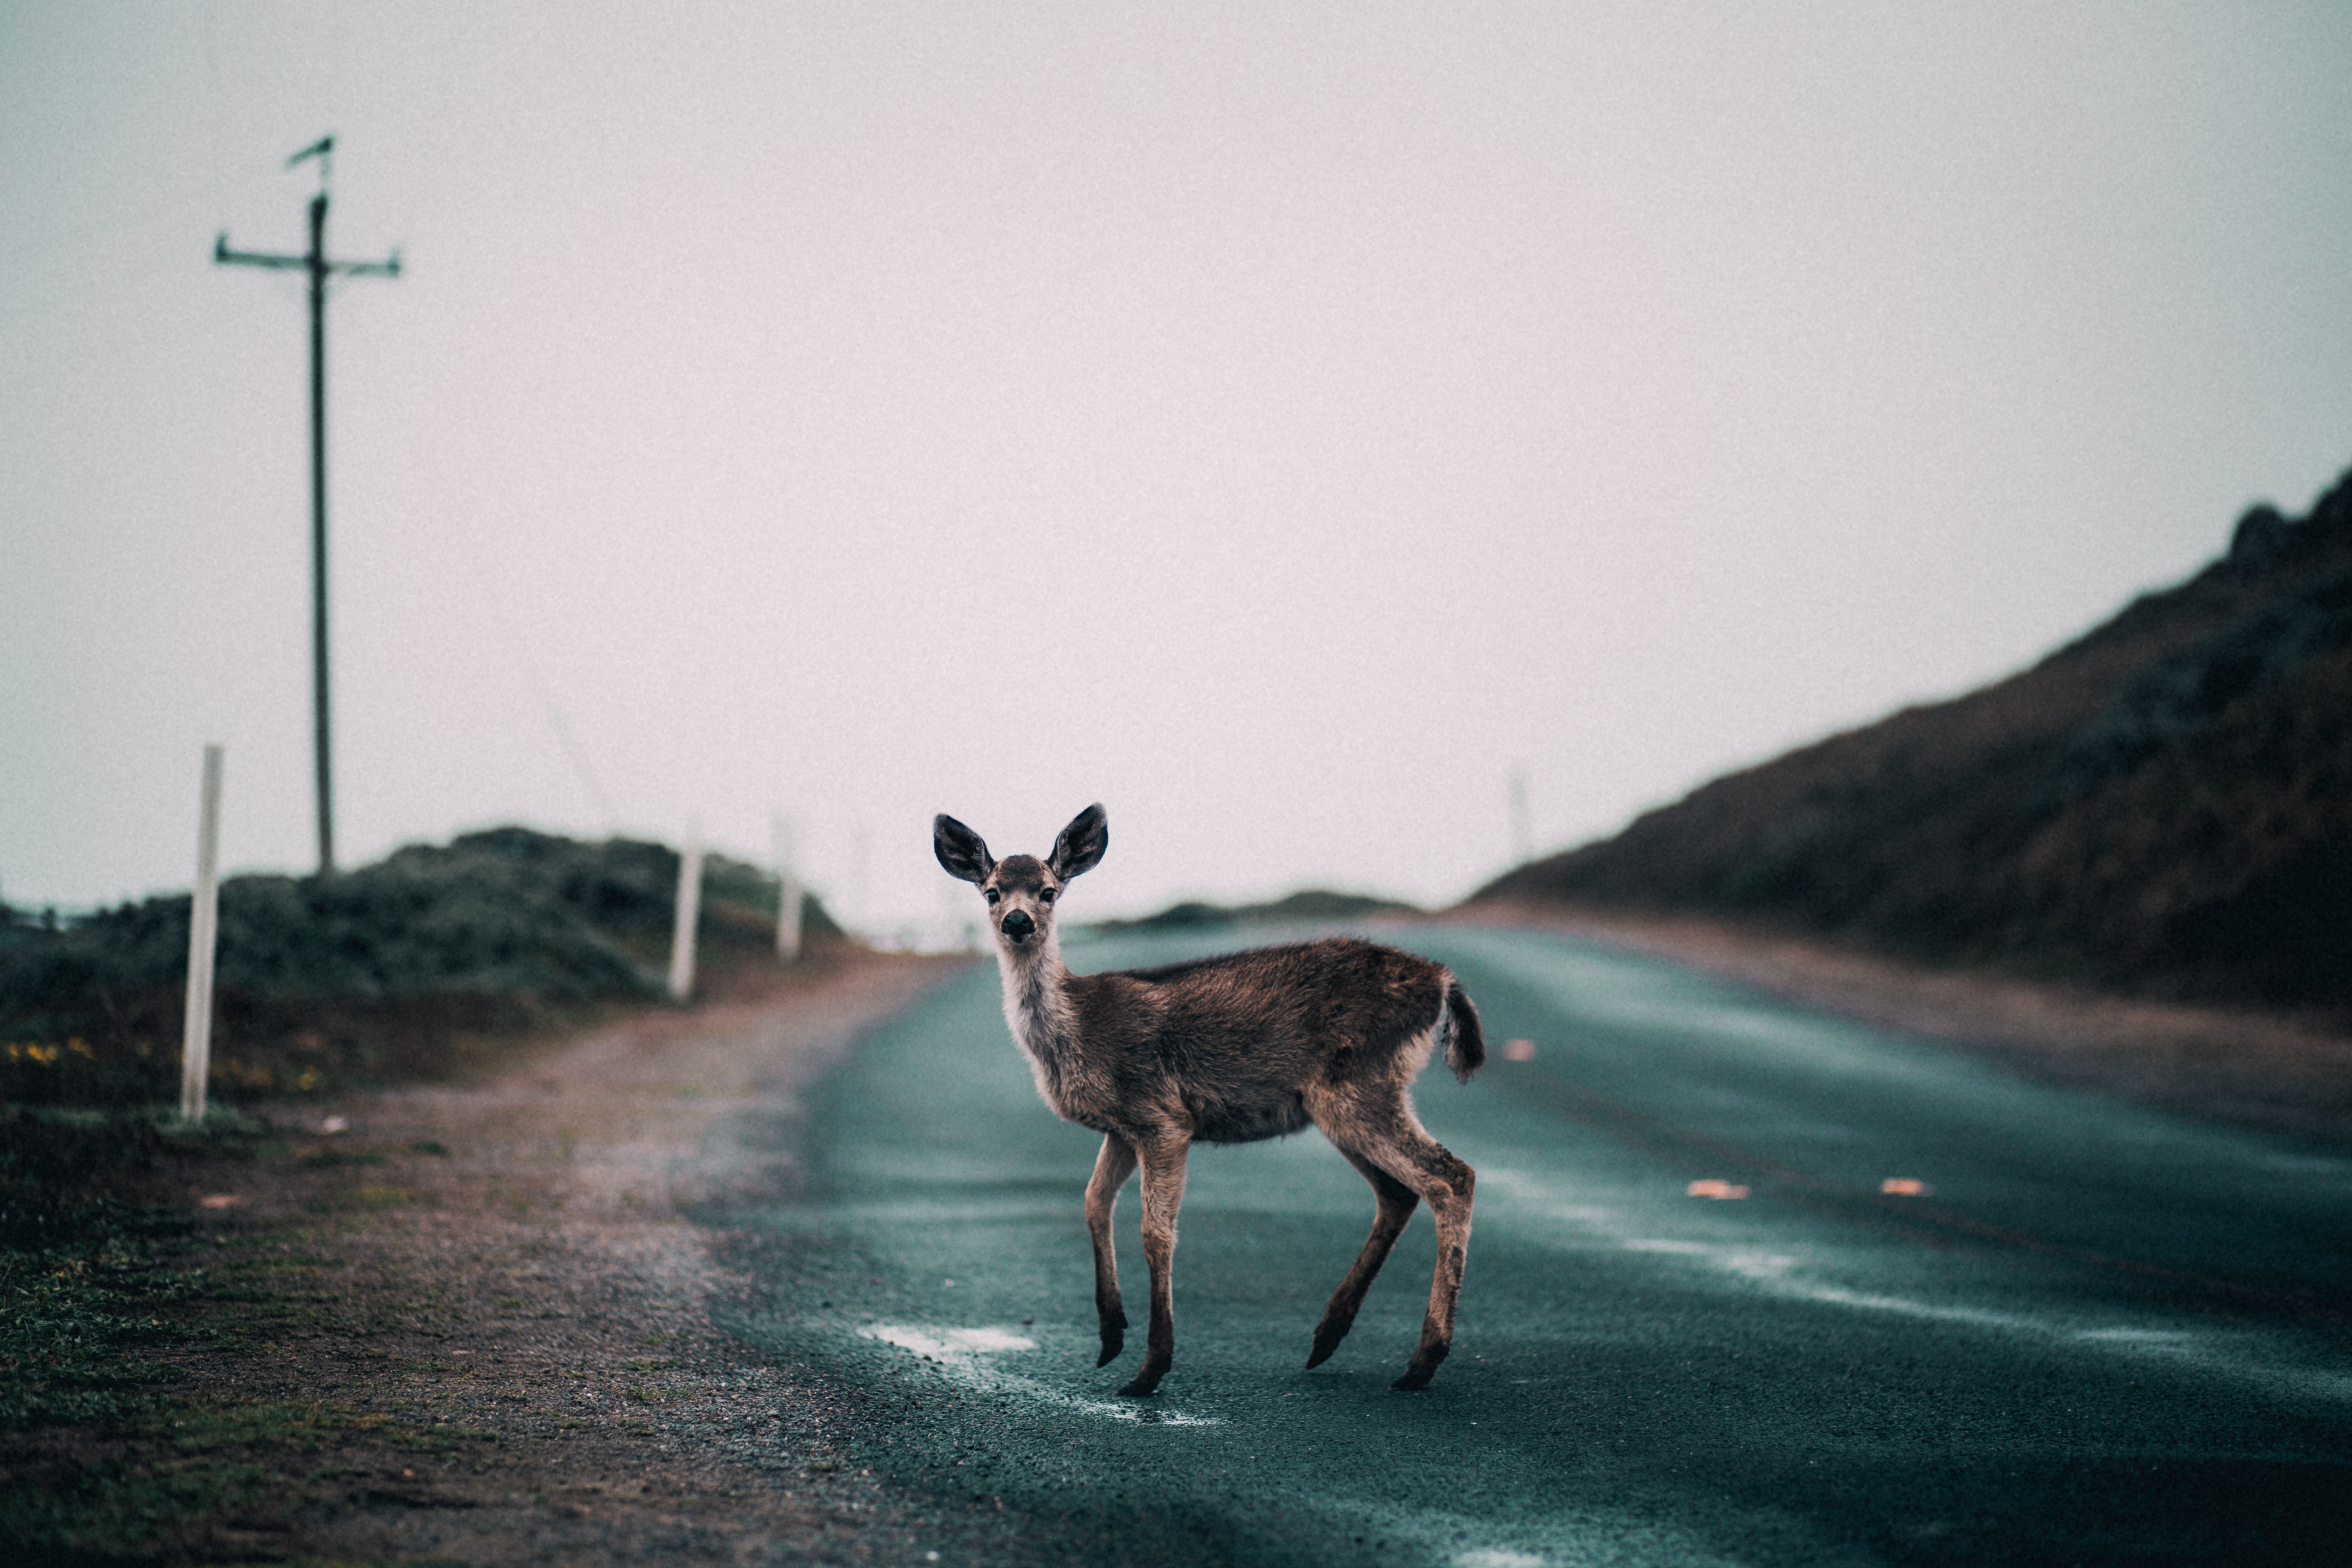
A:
[315, 262]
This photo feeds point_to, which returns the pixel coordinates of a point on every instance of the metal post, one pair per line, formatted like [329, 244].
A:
[204, 927]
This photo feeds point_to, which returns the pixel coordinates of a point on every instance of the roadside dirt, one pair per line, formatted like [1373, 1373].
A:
[2254, 1069]
[471, 1324]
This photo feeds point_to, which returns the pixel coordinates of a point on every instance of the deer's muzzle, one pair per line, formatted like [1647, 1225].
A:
[1018, 925]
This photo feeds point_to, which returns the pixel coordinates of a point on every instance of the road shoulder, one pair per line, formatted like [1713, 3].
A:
[477, 1323]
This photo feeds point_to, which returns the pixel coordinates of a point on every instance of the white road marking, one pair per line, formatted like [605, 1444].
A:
[949, 1341]
[968, 1356]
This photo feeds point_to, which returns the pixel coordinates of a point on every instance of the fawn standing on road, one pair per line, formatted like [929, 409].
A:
[1230, 1050]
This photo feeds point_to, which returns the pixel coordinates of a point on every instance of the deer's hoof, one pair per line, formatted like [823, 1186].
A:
[1421, 1367]
[1327, 1340]
[1147, 1376]
[1112, 1344]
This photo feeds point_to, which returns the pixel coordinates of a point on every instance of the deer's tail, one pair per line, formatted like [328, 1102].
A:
[1466, 1042]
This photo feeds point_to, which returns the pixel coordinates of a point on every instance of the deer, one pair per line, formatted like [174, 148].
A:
[1233, 1050]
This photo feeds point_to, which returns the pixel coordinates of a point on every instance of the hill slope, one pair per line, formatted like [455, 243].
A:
[2163, 806]
[377, 973]
[1309, 906]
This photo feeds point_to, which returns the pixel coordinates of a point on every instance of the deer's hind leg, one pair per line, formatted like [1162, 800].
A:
[1382, 1129]
[1396, 1202]
[1112, 1168]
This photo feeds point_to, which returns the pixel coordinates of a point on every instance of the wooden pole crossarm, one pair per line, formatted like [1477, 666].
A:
[227, 257]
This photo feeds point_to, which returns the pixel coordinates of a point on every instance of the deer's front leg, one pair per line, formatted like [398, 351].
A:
[1163, 1194]
[1112, 1168]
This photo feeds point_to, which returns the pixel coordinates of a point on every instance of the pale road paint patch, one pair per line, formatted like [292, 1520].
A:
[1591, 1535]
[967, 1355]
[949, 1341]
[1746, 1263]
[2242, 1358]
[1584, 1532]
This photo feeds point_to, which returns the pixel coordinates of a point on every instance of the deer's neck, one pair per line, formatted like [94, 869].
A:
[1038, 1006]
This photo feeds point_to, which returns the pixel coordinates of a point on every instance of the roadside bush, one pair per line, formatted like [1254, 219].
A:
[387, 973]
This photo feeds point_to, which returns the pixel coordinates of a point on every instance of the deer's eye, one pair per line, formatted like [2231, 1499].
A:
[1046, 896]
[990, 894]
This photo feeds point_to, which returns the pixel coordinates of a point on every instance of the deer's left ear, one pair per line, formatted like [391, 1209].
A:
[962, 851]
[1080, 846]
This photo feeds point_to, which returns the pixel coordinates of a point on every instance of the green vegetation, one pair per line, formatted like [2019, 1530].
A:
[85, 1303]
[106, 1511]
[80, 1283]
[391, 973]
[2163, 807]
[107, 1450]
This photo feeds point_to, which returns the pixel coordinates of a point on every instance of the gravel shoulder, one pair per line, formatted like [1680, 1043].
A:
[475, 1323]
[2278, 1073]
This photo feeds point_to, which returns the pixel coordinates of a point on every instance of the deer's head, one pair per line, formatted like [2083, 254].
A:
[1021, 889]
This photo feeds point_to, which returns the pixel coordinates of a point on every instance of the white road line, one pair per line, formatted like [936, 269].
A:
[969, 1356]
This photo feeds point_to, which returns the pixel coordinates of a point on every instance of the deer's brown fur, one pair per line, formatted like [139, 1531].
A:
[1231, 1050]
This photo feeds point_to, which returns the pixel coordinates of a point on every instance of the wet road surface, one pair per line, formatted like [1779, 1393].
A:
[2101, 1334]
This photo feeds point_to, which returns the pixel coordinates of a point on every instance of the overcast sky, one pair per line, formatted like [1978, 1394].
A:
[1275, 421]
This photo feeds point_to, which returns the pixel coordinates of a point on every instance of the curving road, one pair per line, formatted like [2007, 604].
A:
[2103, 1335]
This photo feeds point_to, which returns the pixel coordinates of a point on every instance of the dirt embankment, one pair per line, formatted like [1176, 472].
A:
[473, 1324]
[2255, 1068]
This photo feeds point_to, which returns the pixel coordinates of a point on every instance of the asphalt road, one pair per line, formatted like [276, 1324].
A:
[2103, 1334]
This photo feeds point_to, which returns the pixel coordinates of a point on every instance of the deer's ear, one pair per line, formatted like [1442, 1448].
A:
[1080, 846]
[960, 850]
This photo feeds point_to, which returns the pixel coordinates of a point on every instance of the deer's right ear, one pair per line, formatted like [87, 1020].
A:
[960, 850]
[1080, 846]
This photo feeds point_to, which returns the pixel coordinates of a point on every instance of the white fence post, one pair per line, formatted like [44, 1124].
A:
[204, 929]
[788, 891]
[689, 914]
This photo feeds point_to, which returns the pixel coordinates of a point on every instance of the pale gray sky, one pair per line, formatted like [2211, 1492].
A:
[1271, 420]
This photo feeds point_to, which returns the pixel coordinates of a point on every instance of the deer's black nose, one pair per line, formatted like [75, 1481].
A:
[1018, 925]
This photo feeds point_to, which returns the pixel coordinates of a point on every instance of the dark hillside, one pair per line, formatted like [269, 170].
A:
[2163, 806]
[1312, 906]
